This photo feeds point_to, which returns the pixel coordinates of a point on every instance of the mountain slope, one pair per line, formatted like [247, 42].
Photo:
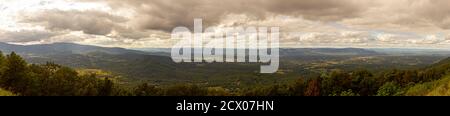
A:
[62, 48]
[159, 68]
[326, 51]
[439, 87]
[435, 88]
[136, 65]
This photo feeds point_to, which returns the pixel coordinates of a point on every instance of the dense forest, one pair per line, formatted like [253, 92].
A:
[17, 77]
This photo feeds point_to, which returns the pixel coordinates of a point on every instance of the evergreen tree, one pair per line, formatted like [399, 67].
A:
[15, 72]
[106, 89]
[2, 67]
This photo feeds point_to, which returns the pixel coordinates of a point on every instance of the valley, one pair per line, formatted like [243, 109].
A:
[134, 67]
[81, 70]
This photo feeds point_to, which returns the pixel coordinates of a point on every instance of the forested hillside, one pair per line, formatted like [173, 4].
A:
[17, 77]
[134, 67]
[434, 88]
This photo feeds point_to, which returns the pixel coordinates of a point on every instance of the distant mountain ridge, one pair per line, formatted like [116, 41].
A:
[326, 51]
[72, 48]
[63, 48]
[298, 51]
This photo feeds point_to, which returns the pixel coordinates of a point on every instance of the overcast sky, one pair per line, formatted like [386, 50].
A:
[303, 23]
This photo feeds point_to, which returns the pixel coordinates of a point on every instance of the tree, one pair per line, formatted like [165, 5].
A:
[106, 88]
[147, 90]
[186, 90]
[349, 93]
[218, 91]
[66, 82]
[363, 83]
[277, 90]
[298, 88]
[15, 72]
[52, 80]
[335, 83]
[368, 86]
[313, 88]
[389, 89]
[2, 64]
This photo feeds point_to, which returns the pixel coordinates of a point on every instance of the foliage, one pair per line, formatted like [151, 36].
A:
[185, 90]
[349, 93]
[434, 88]
[389, 89]
[17, 77]
[6, 93]
[313, 88]
[51, 80]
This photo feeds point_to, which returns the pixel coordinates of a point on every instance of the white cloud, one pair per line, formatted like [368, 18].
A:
[147, 23]
[429, 39]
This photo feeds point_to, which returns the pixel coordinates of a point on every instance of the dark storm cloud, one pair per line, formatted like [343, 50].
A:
[167, 14]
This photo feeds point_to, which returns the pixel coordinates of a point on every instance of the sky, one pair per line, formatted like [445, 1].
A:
[303, 23]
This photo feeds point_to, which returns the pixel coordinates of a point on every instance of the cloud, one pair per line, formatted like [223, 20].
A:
[90, 22]
[430, 39]
[149, 22]
[436, 11]
[25, 35]
[167, 14]
[418, 16]
[344, 37]
[385, 38]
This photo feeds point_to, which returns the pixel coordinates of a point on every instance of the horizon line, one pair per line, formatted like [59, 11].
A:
[290, 47]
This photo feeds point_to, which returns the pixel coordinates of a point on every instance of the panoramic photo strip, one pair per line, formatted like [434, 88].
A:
[206, 56]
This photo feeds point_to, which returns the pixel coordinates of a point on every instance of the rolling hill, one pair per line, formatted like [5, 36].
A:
[157, 67]
[440, 87]
[62, 48]
[435, 88]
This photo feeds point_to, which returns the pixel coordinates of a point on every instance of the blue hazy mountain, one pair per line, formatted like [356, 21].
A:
[63, 48]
